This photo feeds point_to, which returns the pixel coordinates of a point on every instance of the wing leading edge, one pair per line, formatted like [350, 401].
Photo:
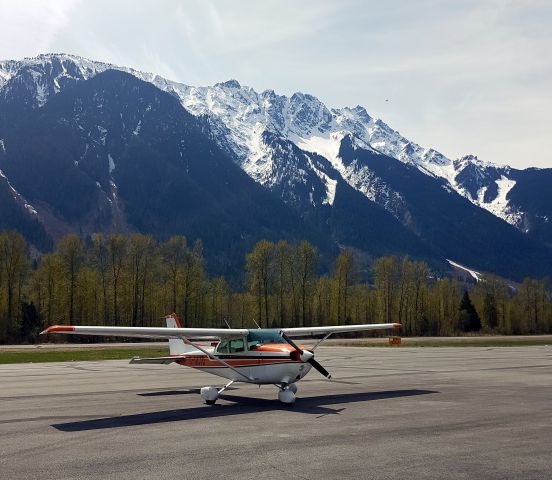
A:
[149, 332]
[300, 331]
[202, 333]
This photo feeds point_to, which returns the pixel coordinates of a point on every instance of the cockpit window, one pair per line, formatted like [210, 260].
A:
[262, 337]
[232, 346]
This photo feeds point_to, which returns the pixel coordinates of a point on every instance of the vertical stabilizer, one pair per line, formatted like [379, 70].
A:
[177, 345]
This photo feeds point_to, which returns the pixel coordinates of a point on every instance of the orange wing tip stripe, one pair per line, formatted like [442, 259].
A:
[58, 328]
[396, 325]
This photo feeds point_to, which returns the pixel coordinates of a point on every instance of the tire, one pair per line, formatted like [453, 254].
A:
[287, 397]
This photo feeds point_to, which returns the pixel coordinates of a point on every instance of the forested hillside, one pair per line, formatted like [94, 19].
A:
[134, 280]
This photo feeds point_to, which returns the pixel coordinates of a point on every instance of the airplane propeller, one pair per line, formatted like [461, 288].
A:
[306, 356]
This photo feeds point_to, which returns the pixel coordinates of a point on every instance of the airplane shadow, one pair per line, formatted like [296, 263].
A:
[165, 393]
[240, 406]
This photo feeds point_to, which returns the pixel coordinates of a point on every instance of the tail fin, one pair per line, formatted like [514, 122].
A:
[177, 345]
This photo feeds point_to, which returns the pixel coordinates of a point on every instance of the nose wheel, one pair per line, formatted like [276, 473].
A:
[286, 395]
[292, 387]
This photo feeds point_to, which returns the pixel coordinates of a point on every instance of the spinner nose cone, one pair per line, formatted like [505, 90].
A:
[306, 355]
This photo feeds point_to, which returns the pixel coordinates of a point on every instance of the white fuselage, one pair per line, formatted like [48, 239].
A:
[267, 364]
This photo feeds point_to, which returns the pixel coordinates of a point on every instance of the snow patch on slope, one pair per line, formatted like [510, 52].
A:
[473, 273]
[329, 183]
[18, 197]
[111, 163]
[326, 146]
[500, 205]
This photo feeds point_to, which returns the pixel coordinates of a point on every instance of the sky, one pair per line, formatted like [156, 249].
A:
[461, 76]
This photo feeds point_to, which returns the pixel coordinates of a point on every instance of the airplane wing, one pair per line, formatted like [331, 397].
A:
[300, 331]
[149, 332]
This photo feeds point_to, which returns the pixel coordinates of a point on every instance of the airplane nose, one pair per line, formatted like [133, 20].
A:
[306, 355]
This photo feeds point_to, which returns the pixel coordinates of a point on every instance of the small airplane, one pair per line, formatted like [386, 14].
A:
[260, 356]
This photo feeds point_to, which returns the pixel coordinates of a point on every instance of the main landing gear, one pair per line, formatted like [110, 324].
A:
[286, 394]
[211, 394]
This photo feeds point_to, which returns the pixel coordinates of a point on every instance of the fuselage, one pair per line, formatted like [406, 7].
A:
[263, 357]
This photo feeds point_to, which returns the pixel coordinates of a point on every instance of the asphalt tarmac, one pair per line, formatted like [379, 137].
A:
[390, 413]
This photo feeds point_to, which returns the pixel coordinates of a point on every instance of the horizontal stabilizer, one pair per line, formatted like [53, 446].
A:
[156, 360]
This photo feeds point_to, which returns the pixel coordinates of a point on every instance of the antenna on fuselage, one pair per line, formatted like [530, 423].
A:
[256, 324]
[226, 321]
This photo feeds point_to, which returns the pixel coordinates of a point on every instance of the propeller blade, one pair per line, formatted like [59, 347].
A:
[291, 342]
[319, 367]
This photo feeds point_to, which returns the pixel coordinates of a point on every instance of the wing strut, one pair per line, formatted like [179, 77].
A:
[320, 341]
[214, 357]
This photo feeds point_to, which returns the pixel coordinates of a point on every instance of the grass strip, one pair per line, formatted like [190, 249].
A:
[74, 355]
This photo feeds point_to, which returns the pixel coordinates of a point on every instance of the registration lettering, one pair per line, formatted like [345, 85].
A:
[198, 361]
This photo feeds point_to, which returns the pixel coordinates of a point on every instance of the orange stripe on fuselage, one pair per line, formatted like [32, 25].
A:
[233, 363]
[200, 361]
[277, 348]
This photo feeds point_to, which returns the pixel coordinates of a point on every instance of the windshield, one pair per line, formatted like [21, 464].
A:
[262, 337]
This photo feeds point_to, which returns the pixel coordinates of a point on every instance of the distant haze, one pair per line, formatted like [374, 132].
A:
[469, 77]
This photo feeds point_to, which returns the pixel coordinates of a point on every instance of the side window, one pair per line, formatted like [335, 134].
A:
[236, 345]
[222, 347]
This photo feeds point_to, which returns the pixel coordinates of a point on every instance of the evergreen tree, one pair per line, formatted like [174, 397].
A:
[469, 319]
[30, 322]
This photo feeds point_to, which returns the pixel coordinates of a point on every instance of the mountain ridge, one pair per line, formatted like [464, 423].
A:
[304, 153]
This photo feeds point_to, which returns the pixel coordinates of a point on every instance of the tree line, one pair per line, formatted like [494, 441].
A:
[134, 280]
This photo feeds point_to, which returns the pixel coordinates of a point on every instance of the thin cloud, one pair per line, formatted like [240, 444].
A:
[30, 27]
[462, 77]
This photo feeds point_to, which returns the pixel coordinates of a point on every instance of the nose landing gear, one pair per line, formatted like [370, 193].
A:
[286, 395]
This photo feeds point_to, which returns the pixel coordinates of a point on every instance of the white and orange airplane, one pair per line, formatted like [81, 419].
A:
[259, 356]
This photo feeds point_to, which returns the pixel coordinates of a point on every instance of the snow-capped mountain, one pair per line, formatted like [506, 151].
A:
[241, 116]
[246, 115]
[339, 169]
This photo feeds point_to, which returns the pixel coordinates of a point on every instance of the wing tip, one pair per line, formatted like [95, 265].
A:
[57, 329]
[397, 325]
